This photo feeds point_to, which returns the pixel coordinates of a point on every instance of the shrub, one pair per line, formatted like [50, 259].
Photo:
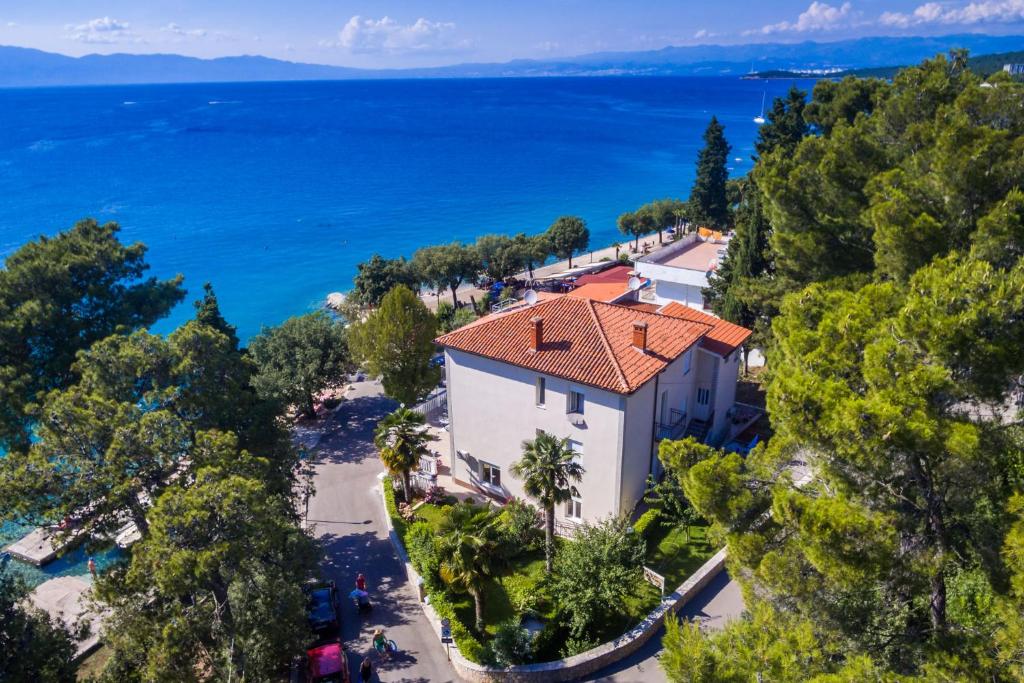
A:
[624, 259]
[392, 507]
[422, 549]
[436, 495]
[511, 643]
[596, 573]
[647, 520]
[520, 526]
[483, 304]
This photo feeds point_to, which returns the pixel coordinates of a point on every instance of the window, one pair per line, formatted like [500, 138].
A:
[574, 508]
[575, 402]
[686, 362]
[703, 396]
[577, 449]
[490, 474]
[540, 390]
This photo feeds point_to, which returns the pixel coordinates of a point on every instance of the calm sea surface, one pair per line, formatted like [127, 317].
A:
[274, 191]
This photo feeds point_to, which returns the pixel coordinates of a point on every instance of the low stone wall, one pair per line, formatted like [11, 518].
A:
[579, 665]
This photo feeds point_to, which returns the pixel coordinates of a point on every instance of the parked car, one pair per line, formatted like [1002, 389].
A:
[322, 608]
[327, 663]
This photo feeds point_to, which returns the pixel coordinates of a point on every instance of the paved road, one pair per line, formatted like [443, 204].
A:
[348, 515]
[719, 602]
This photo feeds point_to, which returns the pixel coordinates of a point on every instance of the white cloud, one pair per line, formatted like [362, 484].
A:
[986, 12]
[102, 30]
[819, 16]
[182, 32]
[364, 35]
[703, 33]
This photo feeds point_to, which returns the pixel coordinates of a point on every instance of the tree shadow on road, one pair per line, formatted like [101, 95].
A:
[348, 434]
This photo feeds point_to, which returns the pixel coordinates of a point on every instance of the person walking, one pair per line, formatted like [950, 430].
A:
[366, 670]
[92, 567]
[361, 582]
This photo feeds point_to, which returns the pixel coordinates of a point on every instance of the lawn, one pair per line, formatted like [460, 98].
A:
[669, 554]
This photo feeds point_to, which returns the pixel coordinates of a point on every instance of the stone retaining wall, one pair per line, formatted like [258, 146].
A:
[579, 665]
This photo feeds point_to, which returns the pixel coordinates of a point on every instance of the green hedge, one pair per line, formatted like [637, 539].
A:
[471, 648]
[649, 518]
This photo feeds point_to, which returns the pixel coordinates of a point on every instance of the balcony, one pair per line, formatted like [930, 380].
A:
[674, 428]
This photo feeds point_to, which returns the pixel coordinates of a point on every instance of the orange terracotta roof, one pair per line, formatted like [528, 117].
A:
[584, 341]
[724, 337]
[601, 291]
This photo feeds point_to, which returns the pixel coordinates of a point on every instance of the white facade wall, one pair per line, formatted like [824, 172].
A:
[725, 396]
[492, 410]
[666, 291]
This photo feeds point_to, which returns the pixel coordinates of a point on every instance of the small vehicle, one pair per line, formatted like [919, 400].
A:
[327, 663]
[322, 608]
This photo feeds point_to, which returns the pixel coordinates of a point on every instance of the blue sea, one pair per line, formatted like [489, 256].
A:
[275, 191]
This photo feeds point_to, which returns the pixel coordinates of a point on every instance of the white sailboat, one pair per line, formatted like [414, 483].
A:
[759, 120]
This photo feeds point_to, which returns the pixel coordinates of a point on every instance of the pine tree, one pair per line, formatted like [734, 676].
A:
[708, 200]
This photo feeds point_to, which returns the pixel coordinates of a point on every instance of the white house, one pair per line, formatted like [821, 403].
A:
[613, 379]
[680, 271]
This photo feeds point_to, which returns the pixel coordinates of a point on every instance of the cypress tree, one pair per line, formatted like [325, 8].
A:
[708, 199]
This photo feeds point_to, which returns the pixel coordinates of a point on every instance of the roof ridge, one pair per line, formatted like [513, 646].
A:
[606, 345]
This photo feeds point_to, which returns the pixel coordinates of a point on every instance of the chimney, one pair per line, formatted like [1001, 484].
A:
[536, 332]
[640, 336]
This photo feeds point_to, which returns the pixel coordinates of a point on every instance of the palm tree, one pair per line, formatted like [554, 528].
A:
[467, 549]
[547, 469]
[402, 439]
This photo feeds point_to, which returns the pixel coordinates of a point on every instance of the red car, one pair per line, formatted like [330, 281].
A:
[327, 662]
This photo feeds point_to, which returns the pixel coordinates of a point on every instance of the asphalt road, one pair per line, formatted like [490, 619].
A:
[347, 514]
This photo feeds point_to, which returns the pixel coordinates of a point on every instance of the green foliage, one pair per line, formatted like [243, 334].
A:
[708, 203]
[421, 544]
[501, 256]
[300, 358]
[450, 318]
[785, 126]
[533, 250]
[548, 470]
[764, 645]
[144, 406]
[469, 645]
[648, 521]
[518, 524]
[511, 643]
[903, 173]
[468, 546]
[208, 314]
[378, 276]
[58, 296]
[889, 548]
[215, 584]
[402, 439]
[568, 235]
[396, 342]
[596, 573]
[447, 266]
[33, 647]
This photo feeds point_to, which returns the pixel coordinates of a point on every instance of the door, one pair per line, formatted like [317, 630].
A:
[702, 407]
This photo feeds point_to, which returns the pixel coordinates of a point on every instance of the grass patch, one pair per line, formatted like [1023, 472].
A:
[669, 553]
[430, 513]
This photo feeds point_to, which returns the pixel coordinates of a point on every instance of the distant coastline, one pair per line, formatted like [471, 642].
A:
[26, 67]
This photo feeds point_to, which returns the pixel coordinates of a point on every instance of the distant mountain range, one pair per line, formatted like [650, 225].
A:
[20, 67]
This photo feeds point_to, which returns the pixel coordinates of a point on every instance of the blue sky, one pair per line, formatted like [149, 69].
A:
[395, 33]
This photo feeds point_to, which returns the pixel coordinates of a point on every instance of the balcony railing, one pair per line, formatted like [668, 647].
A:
[674, 428]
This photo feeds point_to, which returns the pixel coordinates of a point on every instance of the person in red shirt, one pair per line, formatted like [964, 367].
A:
[361, 582]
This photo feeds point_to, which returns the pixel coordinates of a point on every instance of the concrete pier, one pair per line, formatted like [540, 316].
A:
[37, 547]
[65, 599]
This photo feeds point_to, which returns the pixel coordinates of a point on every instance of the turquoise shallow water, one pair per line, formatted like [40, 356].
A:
[274, 191]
